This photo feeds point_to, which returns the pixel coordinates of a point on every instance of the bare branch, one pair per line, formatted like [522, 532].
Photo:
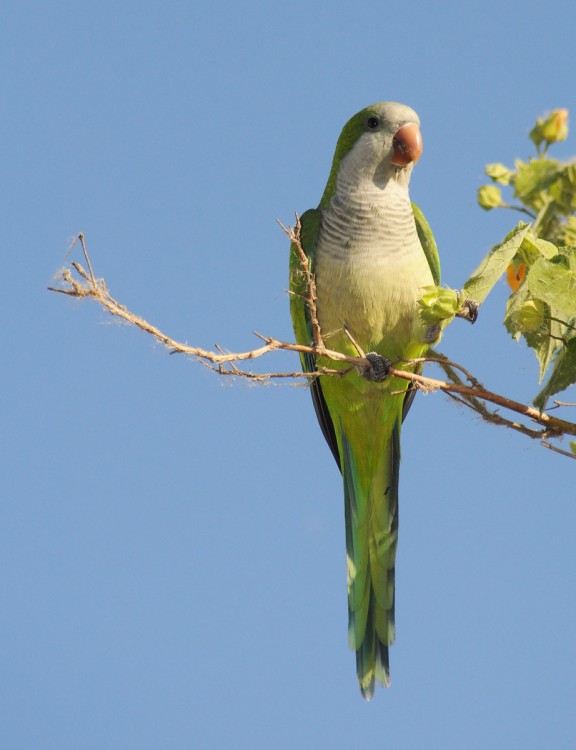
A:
[554, 448]
[311, 298]
[474, 395]
[553, 425]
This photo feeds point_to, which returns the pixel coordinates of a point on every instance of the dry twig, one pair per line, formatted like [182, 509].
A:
[473, 394]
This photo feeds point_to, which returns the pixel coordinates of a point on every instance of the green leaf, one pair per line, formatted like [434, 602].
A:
[563, 190]
[536, 133]
[534, 176]
[533, 248]
[568, 232]
[494, 265]
[554, 281]
[529, 316]
[563, 374]
[539, 338]
[544, 341]
[515, 301]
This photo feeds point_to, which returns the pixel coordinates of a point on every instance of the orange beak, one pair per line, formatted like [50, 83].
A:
[407, 145]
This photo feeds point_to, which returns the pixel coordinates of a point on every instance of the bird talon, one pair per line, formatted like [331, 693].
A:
[432, 335]
[469, 311]
[378, 368]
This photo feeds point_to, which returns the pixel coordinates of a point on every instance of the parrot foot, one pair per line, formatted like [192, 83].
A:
[432, 334]
[378, 369]
[469, 311]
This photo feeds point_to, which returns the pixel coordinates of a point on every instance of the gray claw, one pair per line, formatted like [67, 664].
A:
[469, 311]
[379, 367]
[432, 334]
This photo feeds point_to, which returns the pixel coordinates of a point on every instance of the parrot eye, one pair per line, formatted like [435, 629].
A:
[372, 122]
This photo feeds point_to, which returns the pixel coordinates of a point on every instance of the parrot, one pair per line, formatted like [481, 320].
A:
[370, 252]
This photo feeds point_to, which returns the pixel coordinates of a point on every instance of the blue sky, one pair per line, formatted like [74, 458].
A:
[172, 545]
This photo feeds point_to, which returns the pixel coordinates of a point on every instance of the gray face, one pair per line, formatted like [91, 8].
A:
[392, 116]
[382, 134]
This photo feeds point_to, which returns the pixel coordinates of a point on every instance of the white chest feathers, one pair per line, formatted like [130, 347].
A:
[370, 267]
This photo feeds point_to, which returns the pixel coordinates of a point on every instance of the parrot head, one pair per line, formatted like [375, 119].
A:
[380, 142]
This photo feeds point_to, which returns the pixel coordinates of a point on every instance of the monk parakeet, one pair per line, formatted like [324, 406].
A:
[371, 252]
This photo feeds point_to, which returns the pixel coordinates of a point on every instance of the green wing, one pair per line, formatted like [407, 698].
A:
[431, 252]
[428, 243]
[310, 229]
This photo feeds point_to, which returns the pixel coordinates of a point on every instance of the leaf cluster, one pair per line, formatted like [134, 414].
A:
[541, 272]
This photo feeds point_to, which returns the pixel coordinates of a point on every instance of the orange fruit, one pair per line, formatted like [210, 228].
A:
[515, 276]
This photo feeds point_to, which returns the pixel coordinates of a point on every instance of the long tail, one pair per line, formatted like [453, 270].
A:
[371, 509]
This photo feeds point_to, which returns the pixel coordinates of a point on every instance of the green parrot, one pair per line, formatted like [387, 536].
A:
[370, 251]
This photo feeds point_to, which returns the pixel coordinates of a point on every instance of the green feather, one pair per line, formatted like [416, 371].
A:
[428, 243]
[309, 231]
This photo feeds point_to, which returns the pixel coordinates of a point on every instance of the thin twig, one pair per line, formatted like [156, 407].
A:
[474, 395]
[86, 257]
[356, 345]
[294, 234]
[554, 448]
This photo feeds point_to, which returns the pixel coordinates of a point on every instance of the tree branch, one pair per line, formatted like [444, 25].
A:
[310, 297]
[79, 283]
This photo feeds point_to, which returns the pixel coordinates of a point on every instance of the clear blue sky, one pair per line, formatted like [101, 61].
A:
[172, 568]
